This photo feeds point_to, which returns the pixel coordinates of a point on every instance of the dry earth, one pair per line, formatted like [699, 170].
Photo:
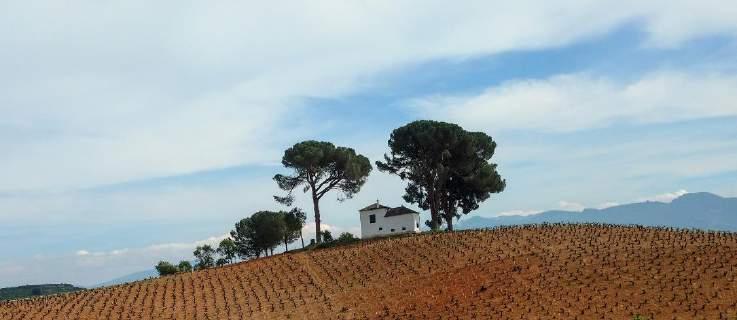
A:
[533, 272]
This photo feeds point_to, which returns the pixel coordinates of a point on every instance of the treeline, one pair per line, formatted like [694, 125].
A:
[35, 291]
[253, 237]
[447, 170]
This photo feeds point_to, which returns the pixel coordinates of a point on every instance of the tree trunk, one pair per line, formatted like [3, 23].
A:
[448, 212]
[286, 245]
[434, 215]
[315, 203]
[300, 237]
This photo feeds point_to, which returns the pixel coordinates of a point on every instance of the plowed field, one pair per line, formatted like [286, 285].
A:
[533, 272]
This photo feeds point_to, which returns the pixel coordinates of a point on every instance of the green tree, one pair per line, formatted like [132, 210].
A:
[346, 237]
[270, 227]
[294, 220]
[244, 236]
[227, 250]
[259, 233]
[327, 236]
[205, 256]
[445, 166]
[184, 266]
[321, 167]
[221, 262]
[471, 178]
[165, 268]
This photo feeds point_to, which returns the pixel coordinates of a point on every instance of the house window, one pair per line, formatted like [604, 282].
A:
[392, 230]
[372, 218]
[418, 225]
[380, 228]
[404, 228]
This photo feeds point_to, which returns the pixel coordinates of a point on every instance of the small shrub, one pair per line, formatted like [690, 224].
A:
[185, 266]
[165, 268]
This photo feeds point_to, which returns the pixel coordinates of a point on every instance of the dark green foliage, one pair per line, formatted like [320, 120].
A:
[347, 237]
[294, 220]
[447, 168]
[321, 167]
[297, 220]
[221, 262]
[35, 290]
[327, 236]
[205, 256]
[227, 250]
[185, 266]
[244, 236]
[165, 268]
[259, 233]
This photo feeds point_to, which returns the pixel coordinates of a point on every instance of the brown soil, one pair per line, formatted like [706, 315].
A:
[540, 272]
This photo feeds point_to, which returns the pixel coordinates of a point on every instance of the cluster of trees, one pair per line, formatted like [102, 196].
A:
[165, 268]
[263, 231]
[447, 170]
[252, 237]
[205, 257]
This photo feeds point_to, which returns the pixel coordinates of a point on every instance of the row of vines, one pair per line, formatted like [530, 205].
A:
[530, 272]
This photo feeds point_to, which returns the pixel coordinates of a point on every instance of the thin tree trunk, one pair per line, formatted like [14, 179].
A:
[434, 216]
[286, 245]
[315, 203]
[448, 212]
[300, 237]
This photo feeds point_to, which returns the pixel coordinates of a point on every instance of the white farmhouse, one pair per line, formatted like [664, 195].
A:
[379, 220]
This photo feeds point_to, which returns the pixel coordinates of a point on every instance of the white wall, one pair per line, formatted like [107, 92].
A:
[409, 221]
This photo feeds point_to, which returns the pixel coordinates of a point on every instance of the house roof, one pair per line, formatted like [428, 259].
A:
[374, 207]
[398, 211]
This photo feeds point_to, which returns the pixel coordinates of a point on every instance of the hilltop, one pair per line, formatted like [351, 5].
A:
[35, 290]
[545, 271]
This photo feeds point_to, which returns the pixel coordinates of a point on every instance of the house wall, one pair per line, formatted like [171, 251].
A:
[369, 230]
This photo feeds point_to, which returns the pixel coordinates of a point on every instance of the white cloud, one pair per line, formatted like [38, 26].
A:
[108, 92]
[578, 207]
[308, 231]
[519, 213]
[186, 88]
[89, 268]
[570, 206]
[666, 197]
[607, 205]
[581, 101]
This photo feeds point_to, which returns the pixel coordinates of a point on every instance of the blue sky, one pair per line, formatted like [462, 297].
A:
[128, 138]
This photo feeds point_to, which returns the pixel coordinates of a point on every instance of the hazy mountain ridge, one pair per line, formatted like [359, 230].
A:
[141, 275]
[35, 290]
[701, 210]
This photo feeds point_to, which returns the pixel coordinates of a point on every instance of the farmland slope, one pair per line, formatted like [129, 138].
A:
[544, 272]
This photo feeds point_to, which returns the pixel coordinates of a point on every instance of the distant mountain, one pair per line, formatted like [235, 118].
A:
[693, 210]
[35, 291]
[141, 275]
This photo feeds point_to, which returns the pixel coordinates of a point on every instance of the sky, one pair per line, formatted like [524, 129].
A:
[131, 132]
